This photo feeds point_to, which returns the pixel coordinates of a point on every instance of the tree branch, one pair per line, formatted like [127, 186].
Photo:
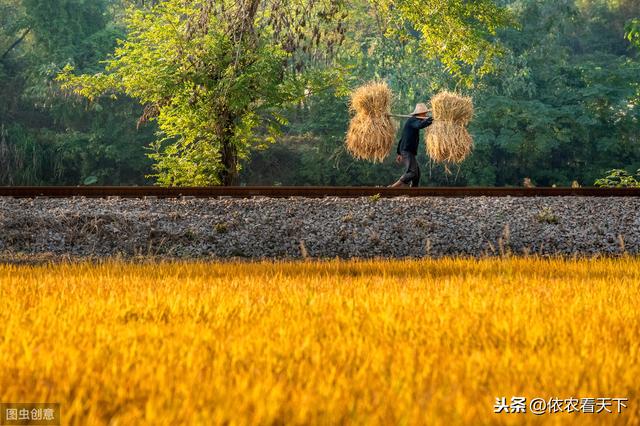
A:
[15, 43]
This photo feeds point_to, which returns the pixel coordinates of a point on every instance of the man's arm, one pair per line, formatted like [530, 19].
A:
[425, 123]
[399, 156]
[420, 123]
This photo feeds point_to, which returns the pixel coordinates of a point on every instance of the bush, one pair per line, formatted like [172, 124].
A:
[619, 178]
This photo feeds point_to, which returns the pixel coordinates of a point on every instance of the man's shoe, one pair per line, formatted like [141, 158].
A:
[399, 184]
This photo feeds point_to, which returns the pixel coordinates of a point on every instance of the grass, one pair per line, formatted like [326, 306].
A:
[368, 342]
[546, 215]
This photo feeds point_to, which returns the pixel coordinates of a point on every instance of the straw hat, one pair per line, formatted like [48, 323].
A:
[420, 109]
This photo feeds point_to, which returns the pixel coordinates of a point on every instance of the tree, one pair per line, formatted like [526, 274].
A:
[633, 32]
[563, 103]
[212, 74]
[47, 137]
[560, 105]
[459, 34]
[216, 75]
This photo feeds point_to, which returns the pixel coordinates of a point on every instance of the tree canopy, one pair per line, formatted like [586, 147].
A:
[208, 92]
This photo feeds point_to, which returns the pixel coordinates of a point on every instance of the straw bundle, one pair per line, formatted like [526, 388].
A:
[371, 131]
[447, 138]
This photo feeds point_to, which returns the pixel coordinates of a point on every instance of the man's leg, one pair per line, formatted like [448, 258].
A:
[410, 165]
[409, 162]
[416, 180]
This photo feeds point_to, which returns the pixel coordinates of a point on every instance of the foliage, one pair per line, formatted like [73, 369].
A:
[211, 77]
[619, 178]
[560, 105]
[47, 137]
[633, 32]
[546, 215]
[215, 77]
[557, 93]
[461, 35]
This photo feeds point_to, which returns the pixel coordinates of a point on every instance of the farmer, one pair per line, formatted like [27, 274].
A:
[408, 146]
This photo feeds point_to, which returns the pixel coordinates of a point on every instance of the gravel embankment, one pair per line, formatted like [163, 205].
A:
[327, 227]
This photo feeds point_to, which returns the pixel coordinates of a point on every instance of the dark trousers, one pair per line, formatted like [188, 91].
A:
[412, 171]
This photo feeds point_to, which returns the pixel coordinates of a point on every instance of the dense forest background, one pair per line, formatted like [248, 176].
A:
[561, 103]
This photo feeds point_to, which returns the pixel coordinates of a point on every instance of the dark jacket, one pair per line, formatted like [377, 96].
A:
[411, 134]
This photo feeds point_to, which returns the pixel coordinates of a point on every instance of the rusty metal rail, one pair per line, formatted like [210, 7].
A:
[303, 191]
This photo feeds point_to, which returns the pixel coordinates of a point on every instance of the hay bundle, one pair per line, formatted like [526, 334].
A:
[371, 131]
[447, 138]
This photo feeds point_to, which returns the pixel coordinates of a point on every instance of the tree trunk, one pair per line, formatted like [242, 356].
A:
[242, 32]
[229, 173]
[228, 151]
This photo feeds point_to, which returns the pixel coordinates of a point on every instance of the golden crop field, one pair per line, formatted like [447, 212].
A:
[335, 342]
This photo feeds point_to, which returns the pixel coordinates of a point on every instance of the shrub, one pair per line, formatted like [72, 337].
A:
[619, 178]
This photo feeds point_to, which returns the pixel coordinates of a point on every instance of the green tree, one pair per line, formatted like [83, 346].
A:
[217, 75]
[560, 105]
[213, 75]
[48, 137]
[376, 47]
[563, 103]
[459, 34]
[633, 32]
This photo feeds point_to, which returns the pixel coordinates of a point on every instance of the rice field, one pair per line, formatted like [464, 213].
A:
[334, 342]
